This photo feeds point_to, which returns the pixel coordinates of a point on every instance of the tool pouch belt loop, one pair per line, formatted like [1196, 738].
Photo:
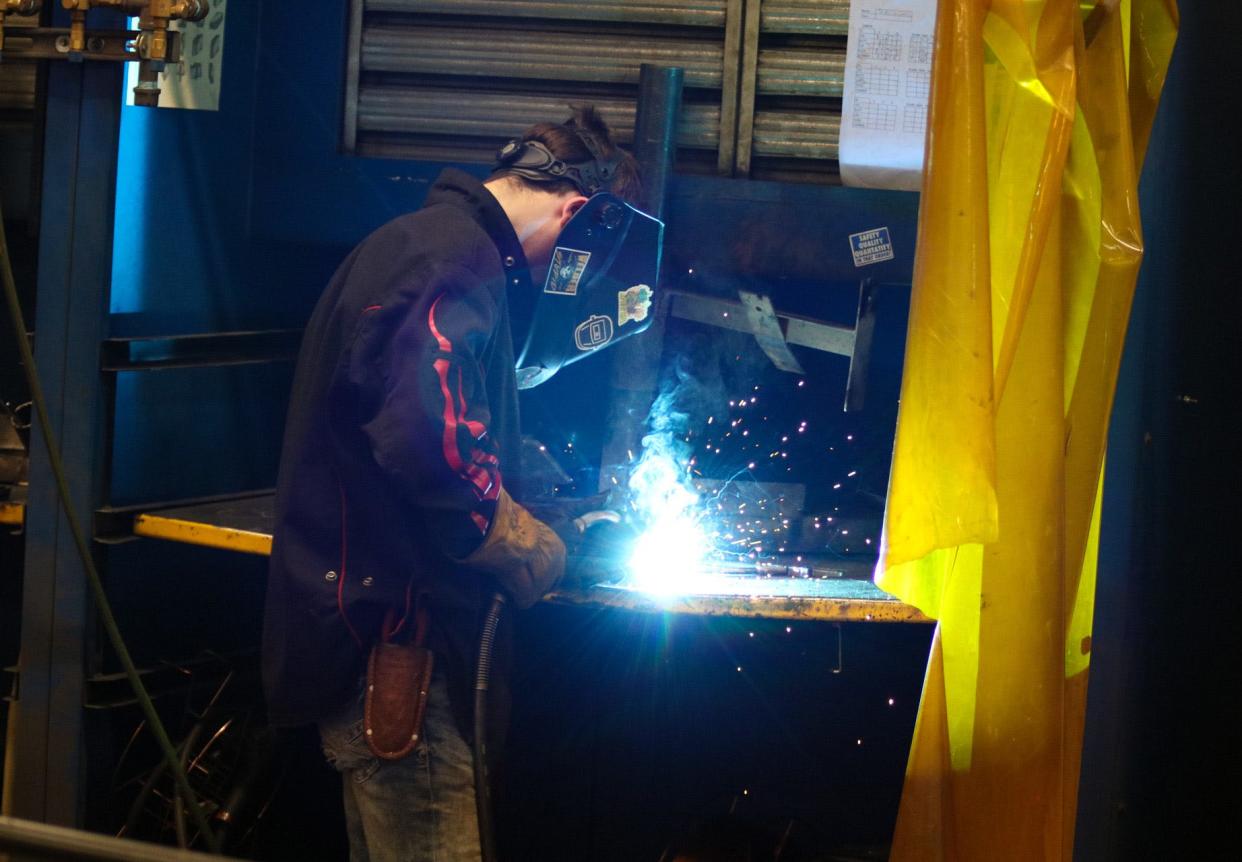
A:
[398, 681]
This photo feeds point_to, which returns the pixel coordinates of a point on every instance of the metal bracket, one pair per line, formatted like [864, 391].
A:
[762, 319]
[860, 357]
[52, 43]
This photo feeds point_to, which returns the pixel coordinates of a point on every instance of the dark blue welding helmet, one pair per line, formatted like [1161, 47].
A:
[600, 287]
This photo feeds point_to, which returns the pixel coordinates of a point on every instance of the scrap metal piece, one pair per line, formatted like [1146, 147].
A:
[730, 314]
[767, 330]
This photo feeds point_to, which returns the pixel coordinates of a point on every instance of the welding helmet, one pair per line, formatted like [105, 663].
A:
[601, 281]
[599, 289]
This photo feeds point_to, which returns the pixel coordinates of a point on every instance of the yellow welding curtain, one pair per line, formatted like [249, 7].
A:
[1028, 249]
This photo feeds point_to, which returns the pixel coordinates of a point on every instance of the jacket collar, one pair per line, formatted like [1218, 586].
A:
[458, 188]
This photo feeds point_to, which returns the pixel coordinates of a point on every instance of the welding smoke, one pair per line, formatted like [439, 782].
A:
[674, 539]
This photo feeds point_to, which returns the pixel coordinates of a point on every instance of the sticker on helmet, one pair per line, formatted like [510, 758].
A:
[568, 265]
[594, 332]
[633, 304]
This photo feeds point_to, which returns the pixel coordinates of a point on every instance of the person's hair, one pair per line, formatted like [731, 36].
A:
[564, 143]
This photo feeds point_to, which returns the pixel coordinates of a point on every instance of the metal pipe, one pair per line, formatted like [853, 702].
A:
[26, 841]
[636, 362]
[655, 130]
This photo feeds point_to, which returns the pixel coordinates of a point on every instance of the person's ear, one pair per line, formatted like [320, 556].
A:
[569, 206]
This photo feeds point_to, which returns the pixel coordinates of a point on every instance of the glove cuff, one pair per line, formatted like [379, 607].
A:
[521, 552]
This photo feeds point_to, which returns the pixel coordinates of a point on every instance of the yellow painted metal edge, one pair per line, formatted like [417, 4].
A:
[12, 513]
[207, 535]
[766, 607]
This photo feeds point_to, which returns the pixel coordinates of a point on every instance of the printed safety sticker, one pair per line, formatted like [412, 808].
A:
[871, 246]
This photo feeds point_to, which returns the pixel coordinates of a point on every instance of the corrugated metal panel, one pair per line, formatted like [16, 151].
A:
[822, 17]
[797, 134]
[454, 78]
[802, 71]
[493, 52]
[17, 86]
[499, 115]
[17, 78]
[698, 13]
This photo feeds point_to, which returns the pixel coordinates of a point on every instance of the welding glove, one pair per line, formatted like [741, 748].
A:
[523, 554]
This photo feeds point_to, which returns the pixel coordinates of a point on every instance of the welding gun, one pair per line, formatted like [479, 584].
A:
[599, 553]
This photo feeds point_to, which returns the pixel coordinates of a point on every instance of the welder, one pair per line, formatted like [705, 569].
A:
[397, 513]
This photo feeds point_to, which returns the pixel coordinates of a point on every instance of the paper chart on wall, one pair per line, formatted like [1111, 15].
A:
[884, 105]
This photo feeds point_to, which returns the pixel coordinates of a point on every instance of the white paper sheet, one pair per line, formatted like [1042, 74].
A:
[884, 107]
[195, 82]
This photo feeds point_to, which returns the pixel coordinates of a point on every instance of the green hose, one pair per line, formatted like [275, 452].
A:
[79, 539]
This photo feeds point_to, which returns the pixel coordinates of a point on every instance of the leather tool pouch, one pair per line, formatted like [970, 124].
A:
[398, 681]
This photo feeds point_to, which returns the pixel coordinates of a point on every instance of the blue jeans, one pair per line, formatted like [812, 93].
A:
[417, 809]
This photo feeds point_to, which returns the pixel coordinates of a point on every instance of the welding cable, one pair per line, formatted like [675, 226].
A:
[102, 606]
[482, 785]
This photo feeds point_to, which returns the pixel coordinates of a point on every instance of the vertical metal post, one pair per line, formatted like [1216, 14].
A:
[727, 149]
[636, 361]
[748, 88]
[46, 778]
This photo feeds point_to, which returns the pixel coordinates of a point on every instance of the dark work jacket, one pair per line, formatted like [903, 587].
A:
[402, 427]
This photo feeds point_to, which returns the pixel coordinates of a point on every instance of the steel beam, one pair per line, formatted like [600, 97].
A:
[45, 780]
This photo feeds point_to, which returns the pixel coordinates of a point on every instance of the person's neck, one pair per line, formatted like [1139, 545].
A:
[527, 210]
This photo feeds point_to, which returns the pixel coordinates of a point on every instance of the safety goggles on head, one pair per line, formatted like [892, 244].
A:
[600, 287]
[533, 161]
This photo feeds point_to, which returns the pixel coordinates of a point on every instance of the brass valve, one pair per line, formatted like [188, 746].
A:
[152, 44]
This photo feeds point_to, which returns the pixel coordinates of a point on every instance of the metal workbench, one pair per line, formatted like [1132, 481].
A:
[245, 525]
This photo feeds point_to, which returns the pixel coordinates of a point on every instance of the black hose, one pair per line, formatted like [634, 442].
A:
[482, 784]
[102, 605]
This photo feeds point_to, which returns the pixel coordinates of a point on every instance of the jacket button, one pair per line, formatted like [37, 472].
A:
[330, 576]
[509, 261]
[367, 581]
